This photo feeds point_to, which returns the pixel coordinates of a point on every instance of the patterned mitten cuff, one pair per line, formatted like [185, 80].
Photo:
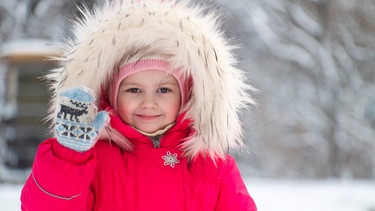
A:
[75, 127]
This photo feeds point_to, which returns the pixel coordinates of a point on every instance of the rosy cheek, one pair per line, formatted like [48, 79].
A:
[124, 115]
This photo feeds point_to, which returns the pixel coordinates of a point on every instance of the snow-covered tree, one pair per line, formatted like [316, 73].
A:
[314, 62]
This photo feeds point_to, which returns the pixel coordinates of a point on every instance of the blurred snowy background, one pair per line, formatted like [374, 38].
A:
[312, 138]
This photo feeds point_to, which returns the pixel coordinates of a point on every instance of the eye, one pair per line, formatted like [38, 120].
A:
[164, 90]
[133, 90]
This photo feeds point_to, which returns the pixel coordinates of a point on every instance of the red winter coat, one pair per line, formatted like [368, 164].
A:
[109, 178]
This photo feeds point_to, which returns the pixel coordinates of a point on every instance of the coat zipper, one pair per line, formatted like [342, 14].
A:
[156, 141]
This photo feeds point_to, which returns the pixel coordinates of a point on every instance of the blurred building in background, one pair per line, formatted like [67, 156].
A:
[24, 100]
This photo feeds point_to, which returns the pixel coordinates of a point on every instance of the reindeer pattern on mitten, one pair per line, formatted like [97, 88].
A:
[73, 111]
[77, 127]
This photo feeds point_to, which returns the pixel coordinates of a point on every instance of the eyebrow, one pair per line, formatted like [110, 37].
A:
[159, 84]
[130, 84]
[167, 83]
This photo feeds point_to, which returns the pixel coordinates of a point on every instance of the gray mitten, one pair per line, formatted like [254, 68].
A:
[75, 126]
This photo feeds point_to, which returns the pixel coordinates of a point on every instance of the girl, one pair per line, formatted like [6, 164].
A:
[164, 80]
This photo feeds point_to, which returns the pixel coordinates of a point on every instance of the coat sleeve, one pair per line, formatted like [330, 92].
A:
[233, 194]
[60, 179]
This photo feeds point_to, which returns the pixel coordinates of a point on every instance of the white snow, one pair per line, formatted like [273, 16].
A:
[9, 197]
[306, 195]
[276, 195]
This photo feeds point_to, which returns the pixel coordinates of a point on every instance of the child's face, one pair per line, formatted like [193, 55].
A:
[149, 100]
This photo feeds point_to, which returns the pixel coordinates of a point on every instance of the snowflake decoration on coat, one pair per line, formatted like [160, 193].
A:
[170, 159]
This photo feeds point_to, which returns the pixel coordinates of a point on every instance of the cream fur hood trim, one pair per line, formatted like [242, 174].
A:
[188, 37]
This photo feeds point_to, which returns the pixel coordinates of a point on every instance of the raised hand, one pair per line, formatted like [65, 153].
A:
[76, 127]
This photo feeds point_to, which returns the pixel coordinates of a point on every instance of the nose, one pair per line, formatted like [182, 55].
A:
[149, 101]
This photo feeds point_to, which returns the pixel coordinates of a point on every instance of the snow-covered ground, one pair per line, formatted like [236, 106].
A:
[321, 195]
[275, 195]
[9, 197]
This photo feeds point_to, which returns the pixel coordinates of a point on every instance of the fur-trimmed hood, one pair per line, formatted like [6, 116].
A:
[188, 36]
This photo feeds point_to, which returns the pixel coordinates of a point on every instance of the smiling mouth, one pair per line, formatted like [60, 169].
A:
[148, 117]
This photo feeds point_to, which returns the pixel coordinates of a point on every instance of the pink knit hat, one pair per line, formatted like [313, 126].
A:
[146, 64]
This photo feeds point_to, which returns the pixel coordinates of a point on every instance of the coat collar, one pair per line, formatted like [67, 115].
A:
[172, 137]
